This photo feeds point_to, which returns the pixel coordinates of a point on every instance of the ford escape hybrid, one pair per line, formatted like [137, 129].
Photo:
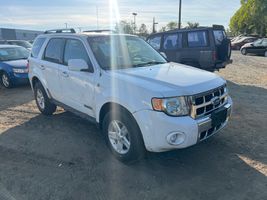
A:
[139, 100]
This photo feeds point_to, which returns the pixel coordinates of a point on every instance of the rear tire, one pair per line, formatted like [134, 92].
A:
[244, 51]
[42, 100]
[123, 136]
[5, 80]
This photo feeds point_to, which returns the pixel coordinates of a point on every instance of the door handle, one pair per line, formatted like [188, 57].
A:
[65, 74]
[42, 67]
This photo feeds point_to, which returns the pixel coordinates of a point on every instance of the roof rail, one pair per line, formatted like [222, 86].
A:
[65, 30]
[98, 31]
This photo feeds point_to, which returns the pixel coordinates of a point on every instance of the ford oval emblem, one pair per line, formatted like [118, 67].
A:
[215, 101]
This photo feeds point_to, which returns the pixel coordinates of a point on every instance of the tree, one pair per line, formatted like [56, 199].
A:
[170, 26]
[192, 25]
[251, 17]
[124, 27]
[143, 31]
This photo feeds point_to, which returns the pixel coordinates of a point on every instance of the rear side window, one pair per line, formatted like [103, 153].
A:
[75, 49]
[38, 43]
[155, 42]
[54, 50]
[197, 39]
[172, 41]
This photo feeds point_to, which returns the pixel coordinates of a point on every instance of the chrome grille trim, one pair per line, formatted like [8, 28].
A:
[203, 107]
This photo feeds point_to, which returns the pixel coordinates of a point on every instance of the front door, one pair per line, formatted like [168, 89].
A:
[77, 86]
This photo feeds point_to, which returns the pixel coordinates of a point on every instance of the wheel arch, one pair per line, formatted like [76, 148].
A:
[108, 106]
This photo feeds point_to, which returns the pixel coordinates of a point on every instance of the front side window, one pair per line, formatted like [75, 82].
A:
[120, 52]
[197, 39]
[75, 49]
[155, 42]
[38, 43]
[54, 50]
[13, 53]
[172, 41]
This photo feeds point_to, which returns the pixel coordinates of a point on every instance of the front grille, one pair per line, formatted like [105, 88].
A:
[207, 133]
[205, 103]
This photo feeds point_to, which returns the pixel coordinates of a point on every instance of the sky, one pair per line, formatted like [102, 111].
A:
[48, 14]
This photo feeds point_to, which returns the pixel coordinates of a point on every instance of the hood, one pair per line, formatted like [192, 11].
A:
[17, 63]
[248, 44]
[170, 79]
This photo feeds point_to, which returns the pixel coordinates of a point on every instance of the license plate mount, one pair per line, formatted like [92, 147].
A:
[218, 117]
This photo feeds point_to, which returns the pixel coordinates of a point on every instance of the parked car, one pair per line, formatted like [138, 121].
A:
[237, 44]
[21, 43]
[13, 65]
[135, 96]
[205, 47]
[259, 47]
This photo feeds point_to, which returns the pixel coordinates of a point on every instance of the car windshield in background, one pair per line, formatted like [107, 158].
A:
[219, 35]
[21, 43]
[13, 53]
[120, 52]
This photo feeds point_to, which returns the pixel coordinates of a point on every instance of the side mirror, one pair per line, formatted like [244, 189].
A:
[163, 54]
[77, 65]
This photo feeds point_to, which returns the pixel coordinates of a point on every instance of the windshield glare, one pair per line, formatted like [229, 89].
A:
[13, 53]
[119, 52]
[22, 43]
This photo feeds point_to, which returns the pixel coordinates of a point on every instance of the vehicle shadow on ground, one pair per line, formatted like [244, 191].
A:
[65, 157]
[23, 95]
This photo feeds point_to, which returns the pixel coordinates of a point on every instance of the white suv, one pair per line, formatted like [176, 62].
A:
[136, 97]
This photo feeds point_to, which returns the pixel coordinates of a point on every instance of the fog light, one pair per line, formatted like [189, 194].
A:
[176, 138]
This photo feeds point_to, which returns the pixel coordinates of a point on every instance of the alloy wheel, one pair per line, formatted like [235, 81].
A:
[40, 99]
[5, 80]
[119, 137]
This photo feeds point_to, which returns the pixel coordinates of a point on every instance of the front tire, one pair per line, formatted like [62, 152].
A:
[5, 80]
[42, 100]
[244, 51]
[123, 136]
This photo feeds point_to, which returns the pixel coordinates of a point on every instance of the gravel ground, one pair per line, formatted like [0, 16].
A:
[63, 157]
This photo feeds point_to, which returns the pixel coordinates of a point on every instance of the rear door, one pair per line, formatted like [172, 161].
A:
[77, 86]
[197, 51]
[53, 56]
[172, 46]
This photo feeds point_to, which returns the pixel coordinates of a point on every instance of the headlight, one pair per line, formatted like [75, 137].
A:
[175, 106]
[20, 71]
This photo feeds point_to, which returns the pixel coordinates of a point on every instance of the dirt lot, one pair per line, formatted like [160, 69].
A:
[64, 157]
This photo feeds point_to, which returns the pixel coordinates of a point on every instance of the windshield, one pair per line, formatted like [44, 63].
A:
[13, 53]
[119, 52]
[219, 35]
[21, 43]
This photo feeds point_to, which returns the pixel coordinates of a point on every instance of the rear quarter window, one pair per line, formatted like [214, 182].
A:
[37, 45]
[197, 39]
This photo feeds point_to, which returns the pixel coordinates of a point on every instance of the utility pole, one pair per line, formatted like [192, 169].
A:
[97, 24]
[154, 25]
[134, 14]
[180, 14]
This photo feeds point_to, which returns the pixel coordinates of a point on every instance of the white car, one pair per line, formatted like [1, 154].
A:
[136, 97]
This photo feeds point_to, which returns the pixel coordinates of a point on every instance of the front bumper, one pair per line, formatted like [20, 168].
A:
[157, 127]
[20, 78]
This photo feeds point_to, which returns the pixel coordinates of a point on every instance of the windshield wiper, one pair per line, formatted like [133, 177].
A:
[149, 63]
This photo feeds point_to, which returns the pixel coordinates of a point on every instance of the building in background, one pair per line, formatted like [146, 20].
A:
[18, 34]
